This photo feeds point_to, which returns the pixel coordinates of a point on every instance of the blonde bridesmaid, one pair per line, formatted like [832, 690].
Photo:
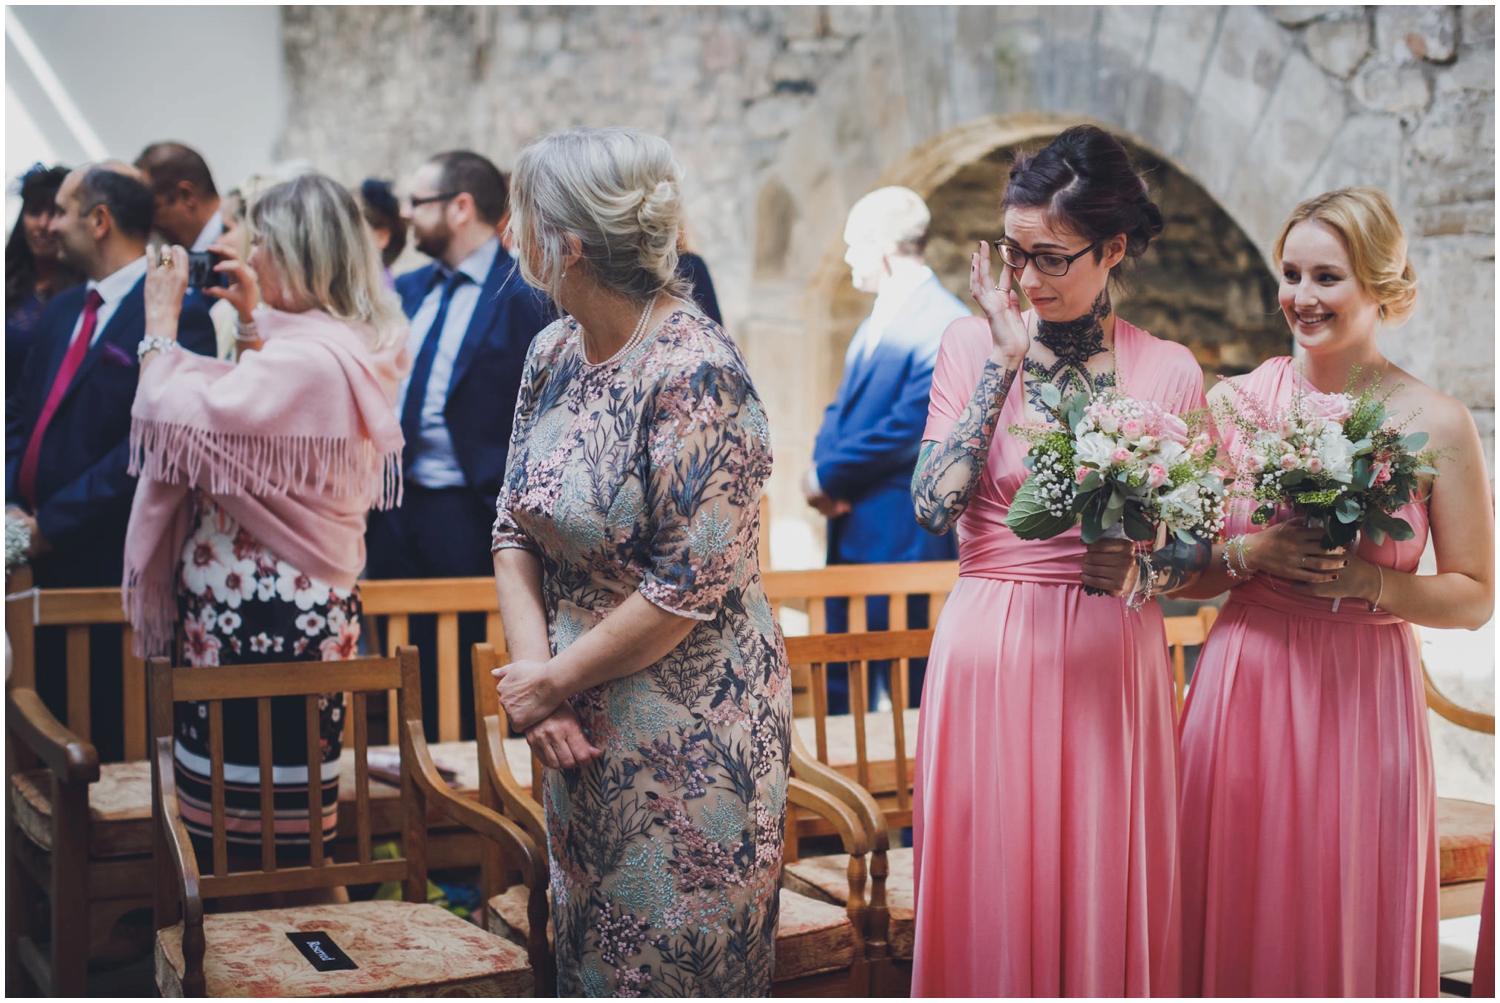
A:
[1308, 818]
[1046, 849]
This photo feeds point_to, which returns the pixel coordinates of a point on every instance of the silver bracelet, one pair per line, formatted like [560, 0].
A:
[154, 343]
[1379, 595]
[1229, 564]
[244, 331]
[1146, 573]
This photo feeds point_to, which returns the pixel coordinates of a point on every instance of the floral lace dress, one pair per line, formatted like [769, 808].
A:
[644, 474]
[239, 604]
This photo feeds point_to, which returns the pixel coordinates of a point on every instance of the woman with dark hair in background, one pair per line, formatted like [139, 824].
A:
[693, 270]
[377, 199]
[33, 272]
[1046, 845]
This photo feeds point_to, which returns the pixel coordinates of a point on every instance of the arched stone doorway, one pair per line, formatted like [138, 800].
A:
[1203, 283]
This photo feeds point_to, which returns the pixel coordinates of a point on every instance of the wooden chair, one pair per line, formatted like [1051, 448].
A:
[1185, 632]
[401, 948]
[821, 947]
[69, 880]
[1465, 828]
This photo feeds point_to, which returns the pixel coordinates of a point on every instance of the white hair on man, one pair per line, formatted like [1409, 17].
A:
[893, 215]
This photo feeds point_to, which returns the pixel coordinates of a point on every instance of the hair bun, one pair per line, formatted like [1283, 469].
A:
[660, 208]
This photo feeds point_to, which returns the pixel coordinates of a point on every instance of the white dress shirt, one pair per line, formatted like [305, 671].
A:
[112, 289]
[894, 294]
[435, 465]
[210, 232]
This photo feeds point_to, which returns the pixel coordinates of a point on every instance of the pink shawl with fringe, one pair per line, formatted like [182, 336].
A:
[296, 442]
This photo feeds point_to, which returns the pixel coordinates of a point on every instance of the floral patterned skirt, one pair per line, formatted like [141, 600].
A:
[240, 604]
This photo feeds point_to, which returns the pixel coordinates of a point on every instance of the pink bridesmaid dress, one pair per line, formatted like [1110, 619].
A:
[1046, 768]
[1308, 818]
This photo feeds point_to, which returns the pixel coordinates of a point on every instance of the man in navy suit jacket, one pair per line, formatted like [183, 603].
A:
[472, 321]
[867, 446]
[68, 479]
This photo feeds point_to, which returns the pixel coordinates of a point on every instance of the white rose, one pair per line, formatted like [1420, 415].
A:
[1337, 454]
[1094, 450]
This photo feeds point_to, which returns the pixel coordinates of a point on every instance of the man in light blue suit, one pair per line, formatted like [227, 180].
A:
[871, 433]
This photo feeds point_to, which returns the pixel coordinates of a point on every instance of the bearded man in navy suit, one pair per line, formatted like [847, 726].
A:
[867, 446]
[472, 321]
[67, 430]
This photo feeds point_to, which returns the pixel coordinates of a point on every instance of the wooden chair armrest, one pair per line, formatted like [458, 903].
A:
[823, 804]
[490, 824]
[1463, 717]
[69, 757]
[807, 769]
[502, 831]
[516, 799]
[185, 864]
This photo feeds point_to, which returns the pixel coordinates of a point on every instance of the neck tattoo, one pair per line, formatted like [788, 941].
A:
[1076, 341]
[1073, 342]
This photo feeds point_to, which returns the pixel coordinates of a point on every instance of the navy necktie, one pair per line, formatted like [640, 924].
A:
[416, 390]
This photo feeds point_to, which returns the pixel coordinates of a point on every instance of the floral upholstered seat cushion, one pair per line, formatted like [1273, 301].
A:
[828, 878]
[120, 802]
[813, 936]
[119, 809]
[1465, 829]
[401, 948]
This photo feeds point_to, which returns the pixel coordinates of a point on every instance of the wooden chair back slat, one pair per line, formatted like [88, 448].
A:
[133, 706]
[859, 702]
[413, 800]
[263, 682]
[447, 677]
[820, 706]
[360, 704]
[216, 782]
[267, 788]
[314, 784]
[78, 682]
[395, 639]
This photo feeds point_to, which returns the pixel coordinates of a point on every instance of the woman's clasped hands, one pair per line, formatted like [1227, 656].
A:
[552, 727]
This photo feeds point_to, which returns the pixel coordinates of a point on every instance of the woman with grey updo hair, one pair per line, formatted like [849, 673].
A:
[649, 673]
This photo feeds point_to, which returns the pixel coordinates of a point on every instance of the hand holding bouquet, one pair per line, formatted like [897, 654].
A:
[1114, 461]
[1335, 457]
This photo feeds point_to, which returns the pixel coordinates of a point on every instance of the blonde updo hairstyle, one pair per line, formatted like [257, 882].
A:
[1366, 222]
[315, 234]
[619, 192]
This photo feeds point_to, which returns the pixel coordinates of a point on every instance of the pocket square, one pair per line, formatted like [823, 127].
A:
[117, 356]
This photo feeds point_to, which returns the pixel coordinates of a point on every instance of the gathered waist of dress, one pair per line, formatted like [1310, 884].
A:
[1278, 595]
[1043, 562]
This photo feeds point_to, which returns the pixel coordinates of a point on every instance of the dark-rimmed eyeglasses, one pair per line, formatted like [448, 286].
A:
[1047, 262]
[416, 200]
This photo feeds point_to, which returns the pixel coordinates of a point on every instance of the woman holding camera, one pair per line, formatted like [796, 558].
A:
[255, 479]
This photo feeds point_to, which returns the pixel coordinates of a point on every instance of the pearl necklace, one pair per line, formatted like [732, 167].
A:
[635, 338]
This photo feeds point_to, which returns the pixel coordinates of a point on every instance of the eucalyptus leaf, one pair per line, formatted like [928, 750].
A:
[1051, 396]
[1415, 441]
[1093, 528]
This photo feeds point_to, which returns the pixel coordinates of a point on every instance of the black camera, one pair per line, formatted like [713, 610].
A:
[201, 274]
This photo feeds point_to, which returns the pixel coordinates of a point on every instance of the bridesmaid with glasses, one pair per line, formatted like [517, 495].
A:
[1308, 815]
[1046, 779]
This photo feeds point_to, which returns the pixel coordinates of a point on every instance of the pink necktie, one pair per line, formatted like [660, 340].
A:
[26, 479]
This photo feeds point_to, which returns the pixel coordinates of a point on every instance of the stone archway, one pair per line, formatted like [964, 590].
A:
[1204, 283]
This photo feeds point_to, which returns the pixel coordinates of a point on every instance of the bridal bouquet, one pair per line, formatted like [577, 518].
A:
[1121, 467]
[1337, 458]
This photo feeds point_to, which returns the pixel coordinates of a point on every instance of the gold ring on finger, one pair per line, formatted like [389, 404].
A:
[165, 260]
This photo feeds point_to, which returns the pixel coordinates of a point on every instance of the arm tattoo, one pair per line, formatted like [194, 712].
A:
[947, 471]
[1179, 564]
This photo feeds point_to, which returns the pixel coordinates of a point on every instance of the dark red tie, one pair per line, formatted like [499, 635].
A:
[26, 480]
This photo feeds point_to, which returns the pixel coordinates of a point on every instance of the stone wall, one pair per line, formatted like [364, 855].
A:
[784, 116]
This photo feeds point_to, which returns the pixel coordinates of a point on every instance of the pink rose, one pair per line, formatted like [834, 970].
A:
[1121, 455]
[1315, 466]
[1080, 474]
[1131, 428]
[1108, 423]
[1199, 445]
[1147, 442]
[1259, 461]
[1382, 473]
[1329, 407]
[1289, 461]
[1156, 476]
[1173, 427]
